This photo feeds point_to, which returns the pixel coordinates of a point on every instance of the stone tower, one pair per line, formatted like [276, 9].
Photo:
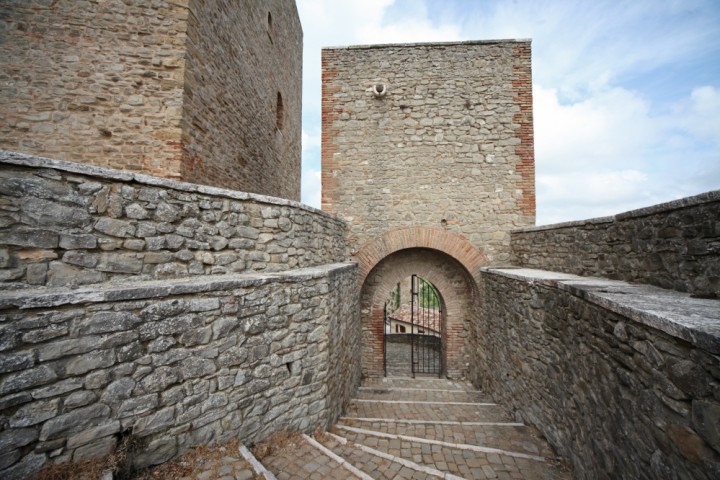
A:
[428, 154]
[202, 91]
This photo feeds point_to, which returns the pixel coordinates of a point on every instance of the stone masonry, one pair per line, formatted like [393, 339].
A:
[174, 364]
[448, 145]
[623, 379]
[65, 224]
[428, 146]
[172, 312]
[204, 91]
[673, 245]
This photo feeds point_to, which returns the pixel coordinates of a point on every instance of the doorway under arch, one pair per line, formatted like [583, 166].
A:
[414, 329]
[457, 291]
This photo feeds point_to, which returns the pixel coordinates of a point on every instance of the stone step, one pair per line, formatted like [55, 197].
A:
[382, 465]
[372, 465]
[300, 459]
[420, 394]
[505, 436]
[463, 460]
[427, 410]
[420, 382]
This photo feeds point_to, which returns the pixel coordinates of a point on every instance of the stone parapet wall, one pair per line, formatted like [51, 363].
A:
[173, 364]
[66, 224]
[623, 380]
[672, 245]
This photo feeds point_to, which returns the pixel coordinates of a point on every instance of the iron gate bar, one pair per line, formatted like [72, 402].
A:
[385, 332]
[425, 328]
[413, 294]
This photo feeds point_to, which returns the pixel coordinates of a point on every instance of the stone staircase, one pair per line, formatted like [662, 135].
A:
[401, 428]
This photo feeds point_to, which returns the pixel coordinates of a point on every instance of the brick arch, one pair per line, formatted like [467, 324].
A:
[398, 239]
[457, 291]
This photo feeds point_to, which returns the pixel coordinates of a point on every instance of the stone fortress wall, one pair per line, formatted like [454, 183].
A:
[449, 145]
[183, 314]
[172, 312]
[428, 146]
[67, 224]
[184, 90]
[673, 245]
[621, 376]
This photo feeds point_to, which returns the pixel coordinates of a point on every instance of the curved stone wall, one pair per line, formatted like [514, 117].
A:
[67, 224]
[173, 363]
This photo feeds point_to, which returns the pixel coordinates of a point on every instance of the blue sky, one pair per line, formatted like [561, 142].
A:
[626, 93]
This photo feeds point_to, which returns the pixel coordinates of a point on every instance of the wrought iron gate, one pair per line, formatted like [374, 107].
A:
[412, 333]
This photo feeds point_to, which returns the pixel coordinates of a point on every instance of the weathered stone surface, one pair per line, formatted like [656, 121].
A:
[81, 258]
[32, 238]
[120, 262]
[77, 241]
[74, 421]
[25, 468]
[16, 438]
[90, 361]
[100, 448]
[58, 388]
[114, 227]
[61, 275]
[46, 213]
[34, 413]
[79, 399]
[91, 434]
[43, 334]
[619, 351]
[11, 362]
[137, 405]
[104, 322]
[156, 422]
[158, 451]
[118, 391]
[706, 421]
[26, 379]
[668, 245]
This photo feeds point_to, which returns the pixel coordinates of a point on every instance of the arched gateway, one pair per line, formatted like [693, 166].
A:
[430, 175]
[457, 295]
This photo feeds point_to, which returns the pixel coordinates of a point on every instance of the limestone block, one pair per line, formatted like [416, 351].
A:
[26, 379]
[74, 421]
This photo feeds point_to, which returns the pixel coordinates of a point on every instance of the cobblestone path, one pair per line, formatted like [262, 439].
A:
[399, 428]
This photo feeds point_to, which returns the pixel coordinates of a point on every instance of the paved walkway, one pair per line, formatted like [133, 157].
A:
[400, 428]
[396, 428]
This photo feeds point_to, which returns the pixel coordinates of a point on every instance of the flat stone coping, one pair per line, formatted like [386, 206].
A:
[428, 44]
[115, 292]
[25, 160]
[706, 197]
[694, 320]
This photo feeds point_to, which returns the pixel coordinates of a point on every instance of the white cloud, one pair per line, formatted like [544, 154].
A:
[607, 129]
[700, 114]
[311, 191]
[608, 135]
[310, 142]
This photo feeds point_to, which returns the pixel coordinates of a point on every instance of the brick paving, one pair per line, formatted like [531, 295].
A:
[401, 428]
